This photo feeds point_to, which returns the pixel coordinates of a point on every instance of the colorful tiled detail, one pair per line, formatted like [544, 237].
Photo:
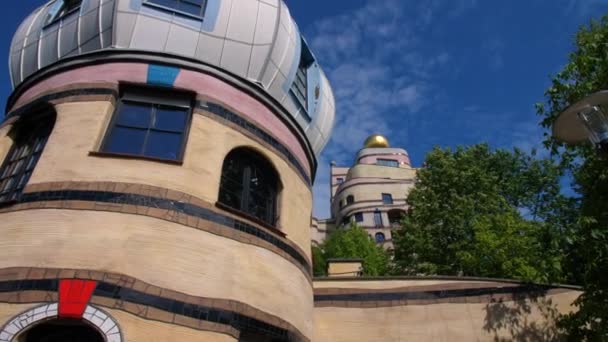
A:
[74, 295]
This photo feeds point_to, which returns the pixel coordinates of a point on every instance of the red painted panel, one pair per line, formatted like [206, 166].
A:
[74, 295]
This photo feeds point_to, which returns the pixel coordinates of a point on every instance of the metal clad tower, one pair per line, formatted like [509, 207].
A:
[158, 158]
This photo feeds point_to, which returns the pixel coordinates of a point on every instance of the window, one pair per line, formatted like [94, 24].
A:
[339, 180]
[30, 137]
[387, 198]
[149, 126]
[250, 185]
[387, 162]
[345, 220]
[395, 216]
[194, 8]
[299, 88]
[380, 238]
[378, 218]
[359, 217]
[350, 199]
[341, 204]
[60, 9]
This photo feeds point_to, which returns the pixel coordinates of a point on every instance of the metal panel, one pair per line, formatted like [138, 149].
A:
[243, 18]
[235, 57]
[182, 41]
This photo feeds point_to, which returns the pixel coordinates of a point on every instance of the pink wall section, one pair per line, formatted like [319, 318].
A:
[203, 84]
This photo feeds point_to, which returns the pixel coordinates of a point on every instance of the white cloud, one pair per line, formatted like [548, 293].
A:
[373, 58]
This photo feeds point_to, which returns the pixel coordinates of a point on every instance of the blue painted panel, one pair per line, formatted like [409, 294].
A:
[162, 75]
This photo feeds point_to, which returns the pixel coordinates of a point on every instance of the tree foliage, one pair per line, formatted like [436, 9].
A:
[481, 212]
[585, 73]
[353, 242]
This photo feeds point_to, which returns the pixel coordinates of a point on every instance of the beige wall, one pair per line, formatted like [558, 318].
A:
[135, 329]
[81, 126]
[441, 322]
[161, 253]
[344, 269]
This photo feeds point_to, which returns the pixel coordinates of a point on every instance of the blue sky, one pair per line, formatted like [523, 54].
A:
[423, 73]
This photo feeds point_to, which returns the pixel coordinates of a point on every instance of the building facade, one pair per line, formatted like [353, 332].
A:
[158, 158]
[372, 193]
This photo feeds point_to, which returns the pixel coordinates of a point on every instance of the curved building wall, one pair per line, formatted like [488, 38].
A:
[373, 195]
[159, 223]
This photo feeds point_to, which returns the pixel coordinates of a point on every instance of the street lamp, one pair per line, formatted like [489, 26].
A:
[585, 120]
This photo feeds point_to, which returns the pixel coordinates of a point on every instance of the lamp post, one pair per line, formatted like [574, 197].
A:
[586, 120]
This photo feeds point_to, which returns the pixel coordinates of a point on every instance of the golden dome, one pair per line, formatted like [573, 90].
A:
[376, 140]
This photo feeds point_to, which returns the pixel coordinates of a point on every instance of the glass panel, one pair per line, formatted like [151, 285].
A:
[166, 3]
[195, 2]
[190, 8]
[134, 115]
[170, 118]
[380, 237]
[126, 140]
[163, 145]
[17, 167]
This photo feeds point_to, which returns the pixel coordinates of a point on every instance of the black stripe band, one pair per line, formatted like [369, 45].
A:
[431, 295]
[204, 313]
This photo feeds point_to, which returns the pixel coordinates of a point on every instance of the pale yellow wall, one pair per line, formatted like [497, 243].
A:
[161, 253]
[435, 322]
[135, 329]
[344, 269]
[81, 126]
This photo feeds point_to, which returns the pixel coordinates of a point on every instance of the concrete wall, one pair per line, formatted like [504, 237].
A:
[474, 318]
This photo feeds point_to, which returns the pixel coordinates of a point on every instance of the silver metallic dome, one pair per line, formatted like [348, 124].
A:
[256, 40]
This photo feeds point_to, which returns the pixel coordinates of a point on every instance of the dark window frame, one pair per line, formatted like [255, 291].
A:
[350, 199]
[154, 96]
[387, 162]
[248, 159]
[378, 218]
[387, 198]
[62, 12]
[32, 134]
[339, 180]
[358, 217]
[380, 240]
[176, 10]
[300, 87]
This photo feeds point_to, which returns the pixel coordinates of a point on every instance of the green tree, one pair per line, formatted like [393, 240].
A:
[482, 212]
[319, 264]
[585, 73]
[354, 242]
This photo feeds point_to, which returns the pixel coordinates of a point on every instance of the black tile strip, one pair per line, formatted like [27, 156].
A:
[236, 320]
[430, 295]
[255, 130]
[59, 95]
[166, 204]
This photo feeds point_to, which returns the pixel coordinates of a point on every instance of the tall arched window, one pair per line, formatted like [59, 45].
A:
[250, 185]
[350, 199]
[29, 138]
[380, 238]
